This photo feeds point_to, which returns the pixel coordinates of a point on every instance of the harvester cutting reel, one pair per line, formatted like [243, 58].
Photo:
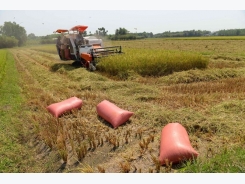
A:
[89, 54]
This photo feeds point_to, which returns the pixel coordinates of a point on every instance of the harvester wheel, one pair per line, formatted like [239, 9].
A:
[91, 67]
[77, 64]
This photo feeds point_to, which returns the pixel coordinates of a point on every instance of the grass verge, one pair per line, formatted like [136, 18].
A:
[228, 161]
[13, 153]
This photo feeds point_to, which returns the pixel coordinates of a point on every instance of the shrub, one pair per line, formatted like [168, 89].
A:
[8, 42]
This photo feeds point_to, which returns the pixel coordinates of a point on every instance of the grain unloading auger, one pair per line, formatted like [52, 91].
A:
[87, 54]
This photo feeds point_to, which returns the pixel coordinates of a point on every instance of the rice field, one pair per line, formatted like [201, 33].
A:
[201, 87]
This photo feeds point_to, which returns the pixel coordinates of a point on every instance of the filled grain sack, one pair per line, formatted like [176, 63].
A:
[112, 113]
[59, 108]
[175, 145]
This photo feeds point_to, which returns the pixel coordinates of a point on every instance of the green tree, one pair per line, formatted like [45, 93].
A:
[101, 31]
[31, 36]
[12, 29]
[1, 28]
[121, 31]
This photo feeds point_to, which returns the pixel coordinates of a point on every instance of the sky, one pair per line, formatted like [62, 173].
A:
[155, 17]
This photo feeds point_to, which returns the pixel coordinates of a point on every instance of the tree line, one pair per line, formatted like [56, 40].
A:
[14, 35]
[196, 33]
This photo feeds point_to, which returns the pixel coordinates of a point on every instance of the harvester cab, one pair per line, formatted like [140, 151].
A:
[58, 43]
[88, 52]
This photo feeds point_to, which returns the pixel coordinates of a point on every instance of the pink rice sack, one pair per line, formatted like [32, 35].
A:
[59, 108]
[175, 145]
[112, 113]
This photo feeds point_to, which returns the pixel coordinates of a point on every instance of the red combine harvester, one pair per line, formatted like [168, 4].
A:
[88, 53]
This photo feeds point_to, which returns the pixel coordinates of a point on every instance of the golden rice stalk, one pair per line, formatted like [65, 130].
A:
[102, 142]
[126, 140]
[101, 169]
[156, 162]
[64, 155]
[86, 169]
[80, 153]
[142, 146]
[94, 144]
[125, 167]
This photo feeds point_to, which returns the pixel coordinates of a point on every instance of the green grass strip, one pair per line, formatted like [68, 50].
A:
[228, 161]
[10, 127]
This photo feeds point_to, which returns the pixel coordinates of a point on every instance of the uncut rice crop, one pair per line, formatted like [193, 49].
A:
[149, 62]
